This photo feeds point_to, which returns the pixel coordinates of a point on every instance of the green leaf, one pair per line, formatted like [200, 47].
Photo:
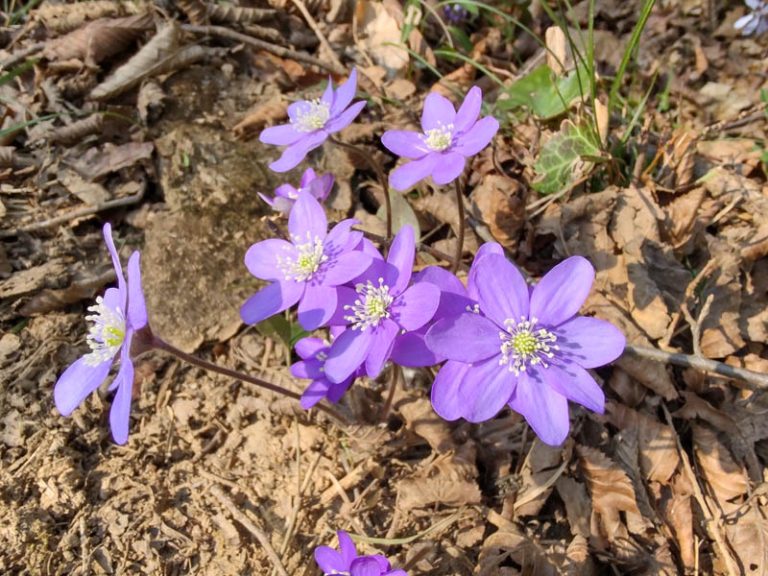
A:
[402, 214]
[544, 93]
[276, 328]
[461, 38]
[565, 158]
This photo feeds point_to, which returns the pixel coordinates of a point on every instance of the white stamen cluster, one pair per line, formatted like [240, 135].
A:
[311, 255]
[107, 333]
[474, 309]
[313, 116]
[522, 345]
[371, 307]
[440, 138]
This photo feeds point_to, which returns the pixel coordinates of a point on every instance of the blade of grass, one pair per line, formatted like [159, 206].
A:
[444, 523]
[18, 71]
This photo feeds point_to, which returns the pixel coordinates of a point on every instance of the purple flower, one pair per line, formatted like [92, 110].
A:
[308, 269]
[115, 318]
[449, 138]
[381, 307]
[755, 22]
[311, 183]
[346, 561]
[313, 353]
[524, 348]
[312, 121]
[455, 13]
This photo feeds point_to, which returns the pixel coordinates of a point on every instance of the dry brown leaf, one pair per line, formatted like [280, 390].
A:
[66, 17]
[749, 540]
[227, 13]
[26, 281]
[557, 49]
[378, 33]
[100, 39]
[542, 468]
[578, 558]
[683, 216]
[612, 492]
[100, 162]
[656, 441]
[150, 101]
[726, 478]
[528, 554]
[501, 206]
[679, 512]
[449, 481]
[83, 287]
[91, 193]
[422, 420]
[264, 114]
[578, 505]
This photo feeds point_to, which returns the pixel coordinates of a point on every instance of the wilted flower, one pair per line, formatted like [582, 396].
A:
[313, 353]
[311, 183]
[525, 348]
[755, 22]
[308, 269]
[346, 561]
[381, 307]
[115, 318]
[312, 121]
[455, 13]
[449, 138]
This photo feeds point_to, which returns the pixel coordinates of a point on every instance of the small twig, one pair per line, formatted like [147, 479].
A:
[223, 32]
[73, 214]
[397, 375]
[462, 223]
[755, 379]
[319, 33]
[371, 161]
[21, 54]
[695, 323]
[251, 527]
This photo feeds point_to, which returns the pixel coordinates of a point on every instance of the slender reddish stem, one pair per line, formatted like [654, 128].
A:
[460, 235]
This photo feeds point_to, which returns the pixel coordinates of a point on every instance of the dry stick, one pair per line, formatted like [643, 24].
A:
[379, 174]
[755, 379]
[319, 33]
[460, 236]
[205, 365]
[223, 32]
[251, 527]
[397, 375]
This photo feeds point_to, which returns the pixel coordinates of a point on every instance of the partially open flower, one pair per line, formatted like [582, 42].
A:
[756, 22]
[347, 562]
[115, 319]
[312, 122]
[286, 194]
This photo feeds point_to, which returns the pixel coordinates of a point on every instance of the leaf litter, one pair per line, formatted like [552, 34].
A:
[669, 481]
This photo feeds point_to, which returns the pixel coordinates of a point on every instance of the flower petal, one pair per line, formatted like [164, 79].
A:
[448, 168]
[477, 137]
[465, 338]
[384, 340]
[485, 389]
[282, 135]
[545, 410]
[416, 306]
[402, 253]
[261, 259]
[445, 390]
[469, 110]
[438, 111]
[296, 152]
[346, 268]
[345, 118]
[346, 547]
[562, 291]
[317, 306]
[137, 307]
[328, 96]
[308, 176]
[484, 250]
[576, 384]
[405, 143]
[321, 187]
[347, 353]
[120, 413]
[270, 300]
[406, 176]
[307, 220]
[589, 342]
[314, 393]
[107, 230]
[77, 382]
[502, 291]
[442, 278]
[344, 94]
[411, 350]
[308, 347]
[365, 566]
[338, 237]
[329, 560]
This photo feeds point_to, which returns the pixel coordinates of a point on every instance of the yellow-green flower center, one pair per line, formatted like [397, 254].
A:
[106, 334]
[523, 345]
[310, 256]
[312, 116]
[439, 139]
[371, 307]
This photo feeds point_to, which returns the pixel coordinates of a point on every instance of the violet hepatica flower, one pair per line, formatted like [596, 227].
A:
[527, 349]
[312, 121]
[313, 353]
[115, 318]
[449, 138]
[381, 307]
[455, 13]
[307, 270]
[756, 22]
[286, 195]
[346, 562]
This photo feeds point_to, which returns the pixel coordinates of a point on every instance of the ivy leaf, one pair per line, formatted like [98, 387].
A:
[565, 158]
[545, 93]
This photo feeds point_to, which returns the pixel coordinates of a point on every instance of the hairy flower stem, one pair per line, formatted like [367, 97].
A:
[161, 344]
[460, 235]
[395, 377]
[379, 174]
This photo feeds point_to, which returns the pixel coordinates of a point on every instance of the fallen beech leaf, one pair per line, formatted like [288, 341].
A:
[264, 114]
[91, 193]
[578, 505]
[97, 163]
[449, 481]
[66, 17]
[528, 554]
[26, 281]
[501, 205]
[422, 420]
[540, 471]
[378, 28]
[678, 510]
[81, 288]
[726, 478]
